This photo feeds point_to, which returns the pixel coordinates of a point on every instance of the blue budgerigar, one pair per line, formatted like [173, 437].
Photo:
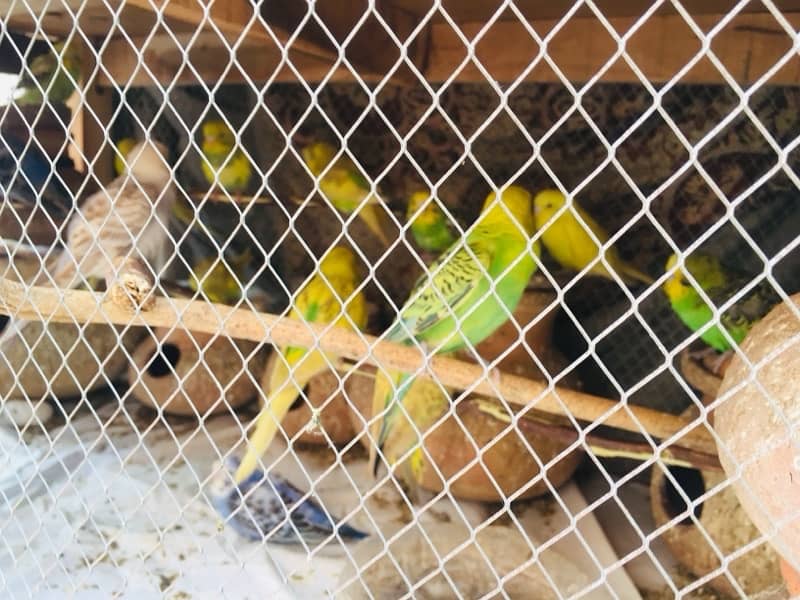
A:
[28, 178]
[271, 508]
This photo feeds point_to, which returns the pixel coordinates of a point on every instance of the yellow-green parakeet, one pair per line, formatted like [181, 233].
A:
[570, 244]
[123, 146]
[464, 297]
[224, 163]
[719, 284]
[329, 297]
[55, 74]
[221, 281]
[424, 404]
[430, 226]
[223, 276]
[345, 187]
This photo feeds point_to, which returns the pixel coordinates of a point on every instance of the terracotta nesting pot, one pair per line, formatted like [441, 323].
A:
[326, 394]
[64, 360]
[722, 519]
[191, 376]
[758, 422]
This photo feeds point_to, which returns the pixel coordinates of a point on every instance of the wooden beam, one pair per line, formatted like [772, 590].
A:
[235, 18]
[660, 48]
[92, 117]
[162, 61]
[371, 50]
[75, 306]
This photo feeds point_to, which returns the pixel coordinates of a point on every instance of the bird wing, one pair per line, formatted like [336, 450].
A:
[441, 291]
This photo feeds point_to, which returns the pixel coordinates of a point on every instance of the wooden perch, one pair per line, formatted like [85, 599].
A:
[70, 306]
[243, 199]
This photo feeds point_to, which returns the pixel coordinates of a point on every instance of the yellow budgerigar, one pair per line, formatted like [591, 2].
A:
[123, 147]
[219, 268]
[425, 403]
[221, 280]
[224, 163]
[568, 241]
[331, 296]
[345, 186]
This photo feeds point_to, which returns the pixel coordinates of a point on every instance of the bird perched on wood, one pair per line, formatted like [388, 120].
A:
[121, 232]
[54, 74]
[123, 148]
[221, 280]
[719, 284]
[119, 235]
[269, 507]
[225, 163]
[468, 293]
[220, 268]
[424, 404]
[429, 225]
[568, 241]
[331, 296]
[28, 178]
[345, 187]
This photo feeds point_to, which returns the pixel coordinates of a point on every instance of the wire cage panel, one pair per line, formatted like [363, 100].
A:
[399, 299]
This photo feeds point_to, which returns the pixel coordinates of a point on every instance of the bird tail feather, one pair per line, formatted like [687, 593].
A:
[376, 219]
[269, 419]
[386, 399]
[635, 274]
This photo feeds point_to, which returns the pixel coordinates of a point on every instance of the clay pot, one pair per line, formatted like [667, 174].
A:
[507, 462]
[724, 521]
[760, 430]
[63, 361]
[792, 579]
[183, 380]
[334, 419]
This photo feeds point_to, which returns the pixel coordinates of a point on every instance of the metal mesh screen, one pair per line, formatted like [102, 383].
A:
[582, 386]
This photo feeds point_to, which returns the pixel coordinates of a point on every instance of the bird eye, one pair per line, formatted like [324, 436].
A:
[685, 282]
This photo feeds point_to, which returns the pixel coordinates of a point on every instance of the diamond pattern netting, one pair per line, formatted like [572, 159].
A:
[114, 433]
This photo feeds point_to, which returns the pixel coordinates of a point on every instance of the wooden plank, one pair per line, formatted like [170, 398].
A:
[163, 62]
[98, 18]
[232, 17]
[660, 48]
[483, 10]
[371, 50]
[663, 46]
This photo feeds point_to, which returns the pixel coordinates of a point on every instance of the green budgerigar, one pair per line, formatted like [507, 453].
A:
[56, 74]
[719, 284]
[464, 297]
[429, 225]
[346, 187]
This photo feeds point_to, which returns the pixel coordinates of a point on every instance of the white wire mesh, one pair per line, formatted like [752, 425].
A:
[114, 435]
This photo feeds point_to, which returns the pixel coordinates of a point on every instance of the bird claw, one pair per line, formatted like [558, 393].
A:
[713, 361]
[133, 288]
